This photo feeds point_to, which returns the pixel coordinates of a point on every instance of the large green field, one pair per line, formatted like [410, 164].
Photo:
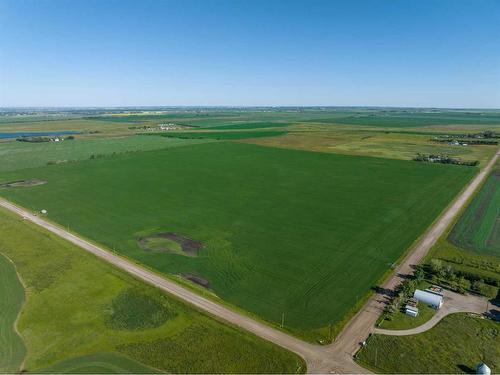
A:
[285, 234]
[455, 345]
[84, 315]
[20, 155]
[12, 349]
[479, 227]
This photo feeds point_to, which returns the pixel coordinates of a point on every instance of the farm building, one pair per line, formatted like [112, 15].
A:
[411, 310]
[482, 368]
[428, 297]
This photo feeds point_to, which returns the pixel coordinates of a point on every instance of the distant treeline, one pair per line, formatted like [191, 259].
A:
[42, 139]
[474, 141]
[485, 134]
[33, 139]
[444, 159]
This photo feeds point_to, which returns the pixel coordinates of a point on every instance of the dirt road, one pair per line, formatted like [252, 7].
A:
[453, 303]
[336, 357]
[363, 323]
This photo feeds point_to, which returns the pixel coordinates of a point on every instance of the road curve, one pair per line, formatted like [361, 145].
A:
[453, 303]
[334, 358]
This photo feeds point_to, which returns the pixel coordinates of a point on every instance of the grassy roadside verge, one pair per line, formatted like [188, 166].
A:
[12, 349]
[73, 302]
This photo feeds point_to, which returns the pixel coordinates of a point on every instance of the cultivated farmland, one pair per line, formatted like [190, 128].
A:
[479, 227]
[291, 236]
[226, 135]
[99, 319]
[19, 155]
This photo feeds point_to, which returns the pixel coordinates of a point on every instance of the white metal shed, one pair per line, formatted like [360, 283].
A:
[482, 368]
[429, 298]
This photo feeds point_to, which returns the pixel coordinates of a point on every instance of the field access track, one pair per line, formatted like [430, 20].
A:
[336, 357]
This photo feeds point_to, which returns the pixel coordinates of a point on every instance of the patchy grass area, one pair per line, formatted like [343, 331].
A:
[72, 297]
[455, 345]
[394, 145]
[12, 350]
[100, 363]
[315, 231]
[134, 309]
[479, 226]
[19, 155]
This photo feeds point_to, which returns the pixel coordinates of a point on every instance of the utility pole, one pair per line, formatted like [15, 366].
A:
[282, 319]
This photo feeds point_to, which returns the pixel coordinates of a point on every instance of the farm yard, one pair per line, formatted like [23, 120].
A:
[124, 327]
[457, 344]
[316, 231]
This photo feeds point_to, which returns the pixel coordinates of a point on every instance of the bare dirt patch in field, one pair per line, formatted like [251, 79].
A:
[23, 183]
[197, 280]
[173, 243]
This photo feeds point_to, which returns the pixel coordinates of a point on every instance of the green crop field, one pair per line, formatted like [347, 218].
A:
[12, 349]
[409, 119]
[455, 345]
[252, 125]
[479, 227]
[84, 315]
[225, 135]
[19, 155]
[286, 234]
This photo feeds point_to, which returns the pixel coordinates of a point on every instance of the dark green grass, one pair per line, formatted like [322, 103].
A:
[252, 125]
[67, 310]
[134, 309]
[12, 348]
[190, 342]
[455, 345]
[222, 135]
[100, 363]
[479, 227]
[288, 232]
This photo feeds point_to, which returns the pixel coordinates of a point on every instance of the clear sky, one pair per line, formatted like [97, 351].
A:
[125, 53]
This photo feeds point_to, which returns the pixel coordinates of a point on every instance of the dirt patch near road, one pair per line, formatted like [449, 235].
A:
[173, 243]
[197, 280]
[23, 183]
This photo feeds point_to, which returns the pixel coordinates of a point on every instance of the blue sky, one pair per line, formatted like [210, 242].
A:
[126, 53]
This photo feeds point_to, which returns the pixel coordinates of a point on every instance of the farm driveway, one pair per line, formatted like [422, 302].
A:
[453, 303]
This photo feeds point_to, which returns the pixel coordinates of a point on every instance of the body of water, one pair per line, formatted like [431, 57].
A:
[35, 134]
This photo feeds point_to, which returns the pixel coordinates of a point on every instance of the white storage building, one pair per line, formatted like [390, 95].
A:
[429, 298]
[482, 368]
